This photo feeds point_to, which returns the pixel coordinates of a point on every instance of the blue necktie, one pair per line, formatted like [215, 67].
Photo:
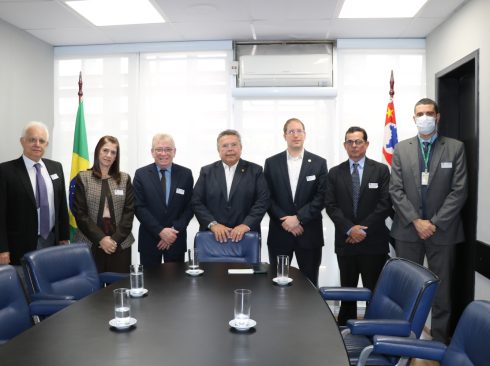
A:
[163, 181]
[42, 203]
[356, 187]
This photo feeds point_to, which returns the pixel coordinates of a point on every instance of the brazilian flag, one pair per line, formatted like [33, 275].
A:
[79, 160]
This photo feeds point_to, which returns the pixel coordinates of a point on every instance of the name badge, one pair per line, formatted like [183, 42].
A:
[424, 178]
[373, 185]
[179, 191]
[310, 178]
[119, 192]
[54, 176]
[447, 165]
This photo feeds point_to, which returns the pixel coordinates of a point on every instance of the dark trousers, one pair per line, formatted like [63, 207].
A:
[308, 260]
[351, 266]
[440, 259]
[119, 261]
[154, 259]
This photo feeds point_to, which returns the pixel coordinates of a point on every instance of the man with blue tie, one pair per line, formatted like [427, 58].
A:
[163, 192]
[358, 202]
[428, 187]
[33, 209]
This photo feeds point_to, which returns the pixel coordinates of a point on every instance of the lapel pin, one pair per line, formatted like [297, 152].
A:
[309, 160]
[243, 170]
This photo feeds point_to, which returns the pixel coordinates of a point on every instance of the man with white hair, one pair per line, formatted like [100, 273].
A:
[33, 209]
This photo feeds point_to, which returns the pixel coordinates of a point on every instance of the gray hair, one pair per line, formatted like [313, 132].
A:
[161, 136]
[229, 133]
[35, 124]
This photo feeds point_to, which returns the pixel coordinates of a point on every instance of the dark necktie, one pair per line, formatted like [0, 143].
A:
[426, 147]
[163, 181]
[42, 203]
[356, 187]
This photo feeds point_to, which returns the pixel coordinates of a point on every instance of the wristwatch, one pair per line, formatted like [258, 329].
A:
[212, 223]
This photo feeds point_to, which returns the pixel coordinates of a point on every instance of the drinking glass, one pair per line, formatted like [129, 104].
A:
[242, 306]
[136, 279]
[122, 308]
[282, 268]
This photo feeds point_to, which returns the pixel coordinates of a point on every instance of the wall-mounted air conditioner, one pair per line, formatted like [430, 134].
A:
[293, 70]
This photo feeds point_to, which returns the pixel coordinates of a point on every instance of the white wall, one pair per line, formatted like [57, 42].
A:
[26, 86]
[466, 31]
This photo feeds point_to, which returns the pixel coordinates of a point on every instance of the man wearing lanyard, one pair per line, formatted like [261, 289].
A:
[428, 187]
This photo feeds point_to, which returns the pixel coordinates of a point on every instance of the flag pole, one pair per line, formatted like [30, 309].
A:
[392, 86]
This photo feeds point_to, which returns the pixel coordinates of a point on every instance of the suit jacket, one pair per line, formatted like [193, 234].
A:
[150, 206]
[308, 201]
[88, 206]
[18, 212]
[248, 201]
[446, 191]
[373, 208]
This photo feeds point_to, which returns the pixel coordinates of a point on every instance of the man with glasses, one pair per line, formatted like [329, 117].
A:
[231, 195]
[428, 188]
[358, 202]
[33, 209]
[296, 180]
[163, 192]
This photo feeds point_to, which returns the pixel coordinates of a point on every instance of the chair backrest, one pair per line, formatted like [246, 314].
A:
[62, 270]
[14, 312]
[404, 291]
[470, 342]
[246, 250]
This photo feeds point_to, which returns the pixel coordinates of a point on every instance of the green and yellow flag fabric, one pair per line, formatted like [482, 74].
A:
[79, 160]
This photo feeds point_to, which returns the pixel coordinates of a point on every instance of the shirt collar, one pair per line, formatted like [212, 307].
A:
[431, 140]
[169, 168]
[230, 168]
[293, 158]
[30, 163]
[360, 162]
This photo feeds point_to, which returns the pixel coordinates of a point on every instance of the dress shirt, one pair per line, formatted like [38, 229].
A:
[31, 170]
[168, 177]
[294, 168]
[229, 174]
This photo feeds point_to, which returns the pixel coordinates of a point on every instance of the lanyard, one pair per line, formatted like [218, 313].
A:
[424, 155]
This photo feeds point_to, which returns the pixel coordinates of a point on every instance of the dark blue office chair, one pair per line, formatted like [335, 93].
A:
[399, 306]
[246, 250]
[469, 345]
[66, 270]
[15, 314]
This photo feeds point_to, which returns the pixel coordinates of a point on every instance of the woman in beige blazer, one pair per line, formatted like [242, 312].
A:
[103, 206]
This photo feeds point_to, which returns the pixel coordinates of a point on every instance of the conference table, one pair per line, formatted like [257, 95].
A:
[183, 320]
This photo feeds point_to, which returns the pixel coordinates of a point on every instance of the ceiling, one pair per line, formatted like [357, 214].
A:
[191, 20]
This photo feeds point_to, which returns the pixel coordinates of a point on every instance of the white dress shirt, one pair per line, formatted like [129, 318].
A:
[294, 168]
[229, 174]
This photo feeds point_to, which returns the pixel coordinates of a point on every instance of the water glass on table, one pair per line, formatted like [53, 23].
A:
[122, 307]
[282, 268]
[136, 279]
[242, 307]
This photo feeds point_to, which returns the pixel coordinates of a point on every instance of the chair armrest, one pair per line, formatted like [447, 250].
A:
[390, 327]
[409, 347]
[111, 277]
[51, 297]
[345, 293]
[48, 307]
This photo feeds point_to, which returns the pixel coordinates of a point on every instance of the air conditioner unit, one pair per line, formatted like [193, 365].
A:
[285, 70]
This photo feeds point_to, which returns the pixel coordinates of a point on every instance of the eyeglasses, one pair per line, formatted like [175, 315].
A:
[428, 114]
[33, 140]
[354, 142]
[166, 150]
[295, 132]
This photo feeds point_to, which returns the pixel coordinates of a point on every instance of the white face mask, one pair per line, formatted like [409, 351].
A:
[425, 124]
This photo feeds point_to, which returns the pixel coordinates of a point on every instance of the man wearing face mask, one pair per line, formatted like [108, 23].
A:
[428, 187]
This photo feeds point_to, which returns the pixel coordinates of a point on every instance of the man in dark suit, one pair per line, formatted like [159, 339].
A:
[296, 180]
[428, 188]
[231, 195]
[33, 210]
[163, 192]
[358, 202]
